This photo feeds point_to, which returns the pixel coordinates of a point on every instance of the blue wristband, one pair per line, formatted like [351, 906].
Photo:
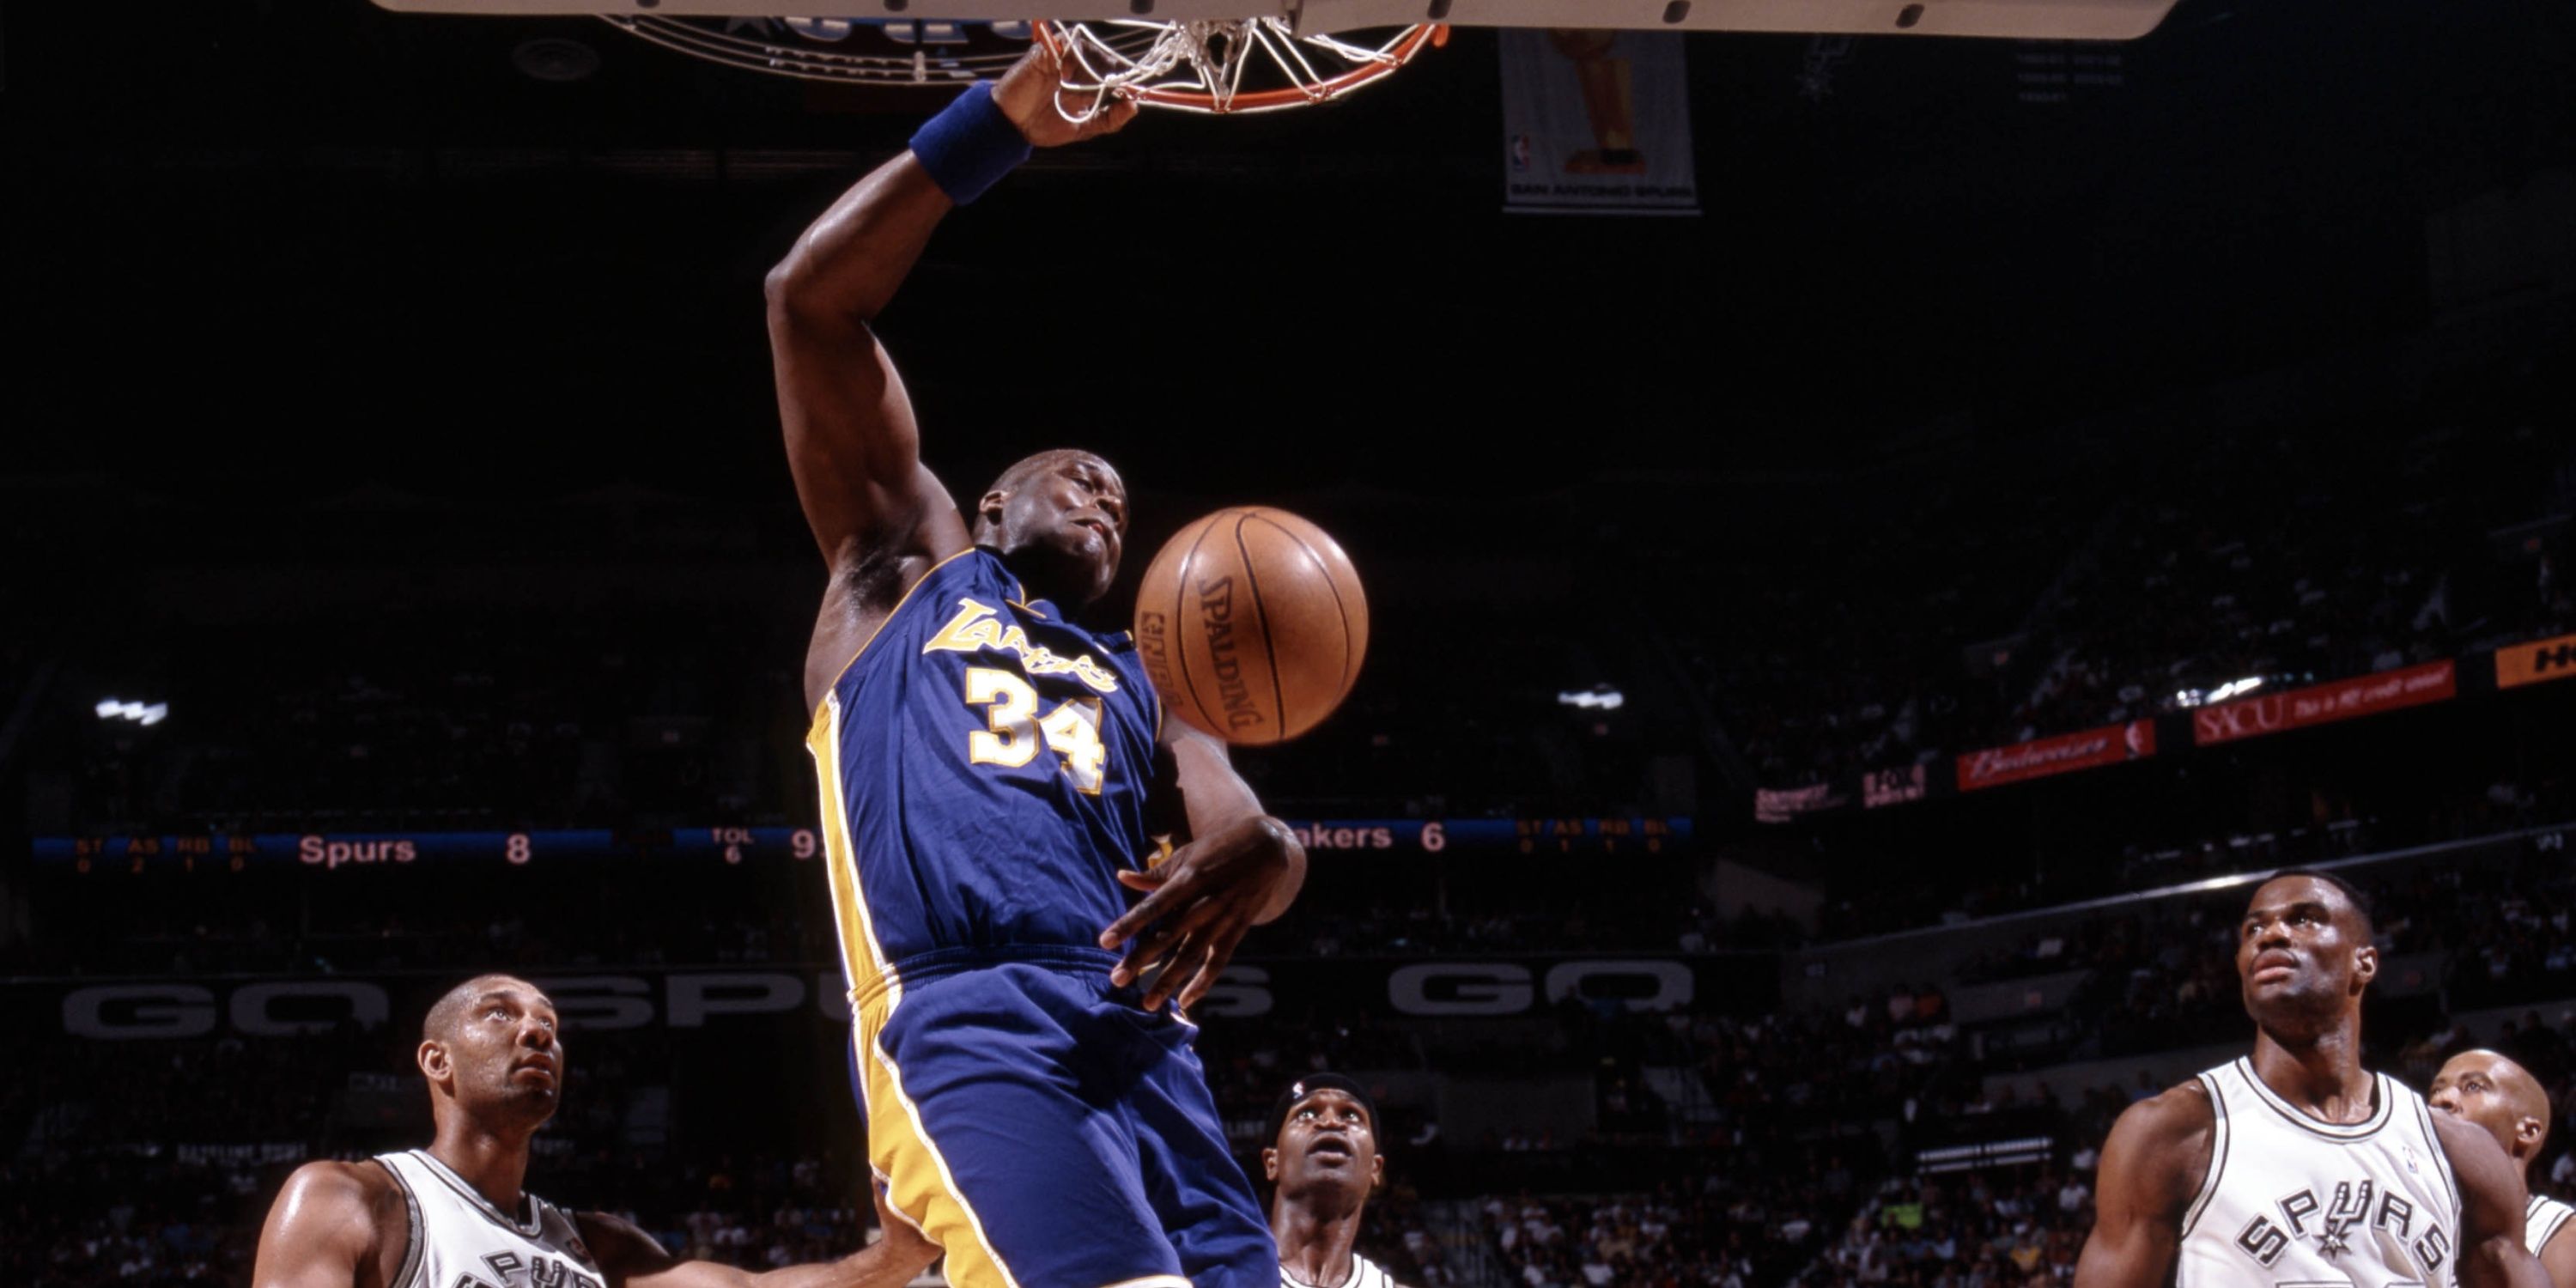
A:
[970, 145]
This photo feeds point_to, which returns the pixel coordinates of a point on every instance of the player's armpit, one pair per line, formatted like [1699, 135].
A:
[2151, 1168]
[321, 1232]
[2492, 1199]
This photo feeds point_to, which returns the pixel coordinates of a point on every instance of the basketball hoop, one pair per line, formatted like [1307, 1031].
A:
[1219, 66]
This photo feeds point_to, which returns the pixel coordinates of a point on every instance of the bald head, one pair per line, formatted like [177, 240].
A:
[1060, 519]
[451, 1008]
[2489, 1089]
[489, 1051]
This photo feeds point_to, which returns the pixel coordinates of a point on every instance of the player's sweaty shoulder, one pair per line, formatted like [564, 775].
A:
[352, 1214]
[2490, 1182]
[2162, 1144]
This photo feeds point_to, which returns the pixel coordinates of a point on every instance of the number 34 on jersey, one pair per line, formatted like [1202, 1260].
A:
[1014, 731]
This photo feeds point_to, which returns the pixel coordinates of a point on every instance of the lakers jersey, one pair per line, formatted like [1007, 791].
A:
[459, 1240]
[2289, 1199]
[2541, 1219]
[983, 765]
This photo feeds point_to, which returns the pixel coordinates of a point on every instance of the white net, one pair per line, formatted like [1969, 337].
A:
[1220, 65]
[840, 49]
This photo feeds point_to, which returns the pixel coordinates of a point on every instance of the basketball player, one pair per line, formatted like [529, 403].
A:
[986, 766]
[2296, 1165]
[1323, 1159]
[2492, 1091]
[454, 1215]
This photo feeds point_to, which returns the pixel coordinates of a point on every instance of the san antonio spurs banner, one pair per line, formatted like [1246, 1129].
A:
[1596, 122]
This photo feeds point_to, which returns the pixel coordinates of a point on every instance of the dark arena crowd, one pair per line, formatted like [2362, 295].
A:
[1774, 834]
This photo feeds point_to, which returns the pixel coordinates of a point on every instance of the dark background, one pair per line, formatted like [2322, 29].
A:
[305, 246]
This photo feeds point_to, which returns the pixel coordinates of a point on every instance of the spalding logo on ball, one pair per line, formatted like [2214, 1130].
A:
[1252, 624]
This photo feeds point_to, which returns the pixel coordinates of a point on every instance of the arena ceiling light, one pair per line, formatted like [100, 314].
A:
[140, 713]
[2232, 689]
[1599, 697]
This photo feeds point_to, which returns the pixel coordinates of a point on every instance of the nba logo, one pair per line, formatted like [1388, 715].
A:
[1520, 153]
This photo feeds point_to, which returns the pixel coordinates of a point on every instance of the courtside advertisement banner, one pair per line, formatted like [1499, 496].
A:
[2325, 703]
[2538, 662]
[2065, 753]
[1597, 122]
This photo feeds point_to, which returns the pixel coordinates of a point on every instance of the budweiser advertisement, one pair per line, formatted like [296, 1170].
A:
[2065, 753]
[2325, 703]
[2537, 662]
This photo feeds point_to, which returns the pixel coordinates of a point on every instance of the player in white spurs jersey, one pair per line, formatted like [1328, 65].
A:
[2296, 1166]
[2489, 1089]
[454, 1215]
[1323, 1159]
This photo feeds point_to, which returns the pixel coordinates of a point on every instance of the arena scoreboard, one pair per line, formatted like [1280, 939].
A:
[337, 851]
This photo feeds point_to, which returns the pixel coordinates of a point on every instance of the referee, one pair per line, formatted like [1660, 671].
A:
[1323, 1161]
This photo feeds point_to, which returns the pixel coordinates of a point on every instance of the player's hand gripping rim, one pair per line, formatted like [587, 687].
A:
[1048, 115]
[1199, 903]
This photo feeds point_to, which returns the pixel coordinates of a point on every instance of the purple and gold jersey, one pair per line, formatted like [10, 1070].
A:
[983, 765]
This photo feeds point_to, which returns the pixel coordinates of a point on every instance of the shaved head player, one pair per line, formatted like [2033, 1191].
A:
[454, 1215]
[986, 767]
[2295, 1164]
[2492, 1091]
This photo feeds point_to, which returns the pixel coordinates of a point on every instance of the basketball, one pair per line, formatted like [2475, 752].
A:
[1252, 623]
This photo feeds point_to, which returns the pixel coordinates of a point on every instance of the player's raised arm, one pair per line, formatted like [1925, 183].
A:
[851, 440]
[322, 1231]
[2492, 1198]
[1242, 867]
[2152, 1165]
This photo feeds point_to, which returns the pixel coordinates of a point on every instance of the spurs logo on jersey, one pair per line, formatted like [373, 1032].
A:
[2291, 1199]
[459, 1240]
[2335, 1227]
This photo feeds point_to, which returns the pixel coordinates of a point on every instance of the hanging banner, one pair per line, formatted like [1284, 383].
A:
[1596, 122]
[2325, 703]
[2537, 662]
[2065, 753]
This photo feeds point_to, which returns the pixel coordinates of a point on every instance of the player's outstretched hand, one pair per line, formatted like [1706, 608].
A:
[1198, 905]
[1028, 95]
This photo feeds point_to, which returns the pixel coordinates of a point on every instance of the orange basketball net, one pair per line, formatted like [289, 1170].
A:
[1219, 66]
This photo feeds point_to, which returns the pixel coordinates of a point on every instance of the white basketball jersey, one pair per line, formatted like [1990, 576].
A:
[2291, 1200]
[2540, 1221]
[1364, 1274]
[459, 1240]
